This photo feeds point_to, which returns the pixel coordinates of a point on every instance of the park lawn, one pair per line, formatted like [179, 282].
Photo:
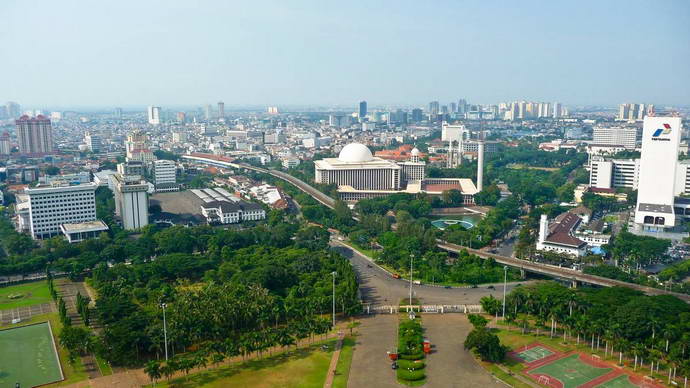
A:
[342, 370]
[303, 368]
[32, 293]
[73, 372]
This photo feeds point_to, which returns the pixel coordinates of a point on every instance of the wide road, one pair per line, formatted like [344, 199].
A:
[378, 287]
[450, 365]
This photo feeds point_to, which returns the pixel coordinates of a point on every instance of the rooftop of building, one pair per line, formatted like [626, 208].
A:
[88, 226]
[561, 228]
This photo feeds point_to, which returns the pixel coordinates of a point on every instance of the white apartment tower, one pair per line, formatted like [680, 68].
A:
[131, 201]
[154, 114]
[51, 207]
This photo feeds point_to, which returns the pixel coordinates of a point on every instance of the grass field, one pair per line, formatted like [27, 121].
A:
[303, 368]
[622, 381]
[570, 371]
[28, 356]
[26, 294]
[342, 370]
[534, 354]
[73, 372]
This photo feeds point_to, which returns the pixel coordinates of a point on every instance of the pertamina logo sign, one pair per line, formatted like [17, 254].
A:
[661, 134]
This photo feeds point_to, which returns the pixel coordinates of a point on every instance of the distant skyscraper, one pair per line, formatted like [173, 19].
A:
[13, 109]
[634, 112]
[118, 113]
[181, 117]
[35, 135]
[3, 112]
[154, 115]
[5, 146]
[207, 112]
[93, 141]
[444, 109]
[221, 111]
[453, 107]
[417, 115]
[433, 107]
[462, 106]
[362, 109]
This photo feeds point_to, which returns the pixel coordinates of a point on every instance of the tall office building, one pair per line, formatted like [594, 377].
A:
[131, 201]
[207, 112]
[434, 107]
[362, 109]
[35, 135]
[154, 113]
[557, 110]
[181, 117]
[5, 146]
[417, 115]
[657, 183]
[93, 141]
[118, 113]
[51, 207]
[626, 137]
[462, 106]
[165, 176]
[221, 111]
[13, 109]
[453, 107]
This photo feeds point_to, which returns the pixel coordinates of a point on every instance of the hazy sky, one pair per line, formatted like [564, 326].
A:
[131, 52]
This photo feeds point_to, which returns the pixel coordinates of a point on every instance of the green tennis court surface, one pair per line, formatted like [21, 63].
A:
[27, 356]
[570, 371]
[534, 354]
[622, 381]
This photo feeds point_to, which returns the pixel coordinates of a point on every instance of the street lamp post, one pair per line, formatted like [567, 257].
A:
[334, 273]
[411, 257]
[165, 331]
[505, 280]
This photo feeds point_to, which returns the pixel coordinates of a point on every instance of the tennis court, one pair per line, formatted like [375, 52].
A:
[533, 354]
[28, 356]
[570, 371]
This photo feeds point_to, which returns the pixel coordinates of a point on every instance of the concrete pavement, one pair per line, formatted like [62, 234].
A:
[371, 366]
[450, 365]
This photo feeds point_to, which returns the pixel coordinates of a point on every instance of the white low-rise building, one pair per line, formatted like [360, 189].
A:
[50, 207]
[227, 212]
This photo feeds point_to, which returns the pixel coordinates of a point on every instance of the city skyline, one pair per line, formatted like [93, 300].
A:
[308, 53]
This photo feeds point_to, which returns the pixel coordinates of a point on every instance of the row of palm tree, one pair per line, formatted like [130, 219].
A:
[244, 344]
[626, 324]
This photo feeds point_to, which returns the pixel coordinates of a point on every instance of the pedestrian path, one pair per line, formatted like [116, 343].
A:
[330, 375]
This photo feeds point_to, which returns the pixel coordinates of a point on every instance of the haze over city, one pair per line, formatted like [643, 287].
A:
[173, 53]
[353, 194]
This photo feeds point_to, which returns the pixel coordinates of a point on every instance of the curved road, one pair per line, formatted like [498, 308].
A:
[378, 287]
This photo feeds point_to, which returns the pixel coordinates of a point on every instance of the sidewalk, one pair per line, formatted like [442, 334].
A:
[330, 375]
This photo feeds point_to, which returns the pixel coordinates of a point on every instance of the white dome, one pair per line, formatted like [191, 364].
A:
[355, 153]
[415, 152]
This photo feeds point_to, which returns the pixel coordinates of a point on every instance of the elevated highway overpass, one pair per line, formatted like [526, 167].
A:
[538, 268]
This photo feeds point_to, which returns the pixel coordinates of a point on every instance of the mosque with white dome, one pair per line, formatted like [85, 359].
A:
[360, 175]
